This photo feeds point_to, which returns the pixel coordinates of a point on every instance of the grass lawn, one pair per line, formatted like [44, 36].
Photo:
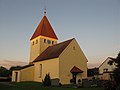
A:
[37, 86]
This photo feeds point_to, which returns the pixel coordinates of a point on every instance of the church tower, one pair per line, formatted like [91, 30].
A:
[43, 37]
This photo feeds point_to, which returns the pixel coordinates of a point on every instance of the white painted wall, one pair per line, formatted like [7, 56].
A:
[105, 65]
[14, 76]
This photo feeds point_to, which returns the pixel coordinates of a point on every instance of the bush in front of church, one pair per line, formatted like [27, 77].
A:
[47, 80]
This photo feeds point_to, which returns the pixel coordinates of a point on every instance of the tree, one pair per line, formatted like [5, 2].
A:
[14, 68]
[47, 80]
[4, 72]
[116, 72]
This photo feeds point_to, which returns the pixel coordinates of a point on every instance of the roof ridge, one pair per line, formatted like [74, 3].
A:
[53, 51]
[43, 24]
[63, 41]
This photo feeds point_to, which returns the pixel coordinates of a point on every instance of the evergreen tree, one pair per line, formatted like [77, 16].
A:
[116, 72]
[4, 72]
[47, 80]
[14, 68]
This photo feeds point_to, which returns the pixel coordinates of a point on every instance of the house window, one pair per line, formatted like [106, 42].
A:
[33, 43]
[36, 41]
[52, 42]
[105, 70]
[44, 40]
[40, 70]
[48, 41]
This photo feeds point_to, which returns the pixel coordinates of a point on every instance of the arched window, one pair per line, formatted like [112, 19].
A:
[44, 40]
[40, 70]
[52, 42]
[48, 41]
[33, 43]
[36, 41]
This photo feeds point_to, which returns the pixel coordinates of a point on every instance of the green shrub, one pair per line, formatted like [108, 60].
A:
[47, 80]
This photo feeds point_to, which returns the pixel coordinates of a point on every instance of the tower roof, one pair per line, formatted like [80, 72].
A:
[44, 29]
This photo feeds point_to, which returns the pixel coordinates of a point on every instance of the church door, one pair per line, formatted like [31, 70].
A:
[16, 76]
[75, 70]
[74, 78]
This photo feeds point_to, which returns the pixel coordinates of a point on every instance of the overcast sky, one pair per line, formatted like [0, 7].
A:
[95, 24]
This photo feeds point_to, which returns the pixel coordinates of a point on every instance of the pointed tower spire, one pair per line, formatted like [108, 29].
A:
[44, 11]
[44, 29]
[43, 37]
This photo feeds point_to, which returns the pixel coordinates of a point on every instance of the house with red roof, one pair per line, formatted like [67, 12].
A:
[63, 61]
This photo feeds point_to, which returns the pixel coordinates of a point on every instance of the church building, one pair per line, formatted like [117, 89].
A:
[63, 61]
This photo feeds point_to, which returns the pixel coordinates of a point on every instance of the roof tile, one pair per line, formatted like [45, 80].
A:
[76, 70]
[44, 29]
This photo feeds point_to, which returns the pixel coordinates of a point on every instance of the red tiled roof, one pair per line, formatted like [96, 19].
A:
[76, 70]
[53, 51]
[44, 29]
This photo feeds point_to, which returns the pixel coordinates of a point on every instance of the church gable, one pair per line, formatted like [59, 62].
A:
[74, 49]
[70, 57]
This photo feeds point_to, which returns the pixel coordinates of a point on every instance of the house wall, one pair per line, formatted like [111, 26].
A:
[50, 66]
[27, 74]
[14, 76]
[70, 57]
[106, 76]
[105, 65]
[39, 47]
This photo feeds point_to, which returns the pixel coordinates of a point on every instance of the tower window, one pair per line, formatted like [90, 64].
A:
[44, 40]
[36, 41]
[48, 41]
[33, 43]
[52, 42]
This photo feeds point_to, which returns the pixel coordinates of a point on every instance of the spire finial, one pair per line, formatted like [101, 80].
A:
[44, 11]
